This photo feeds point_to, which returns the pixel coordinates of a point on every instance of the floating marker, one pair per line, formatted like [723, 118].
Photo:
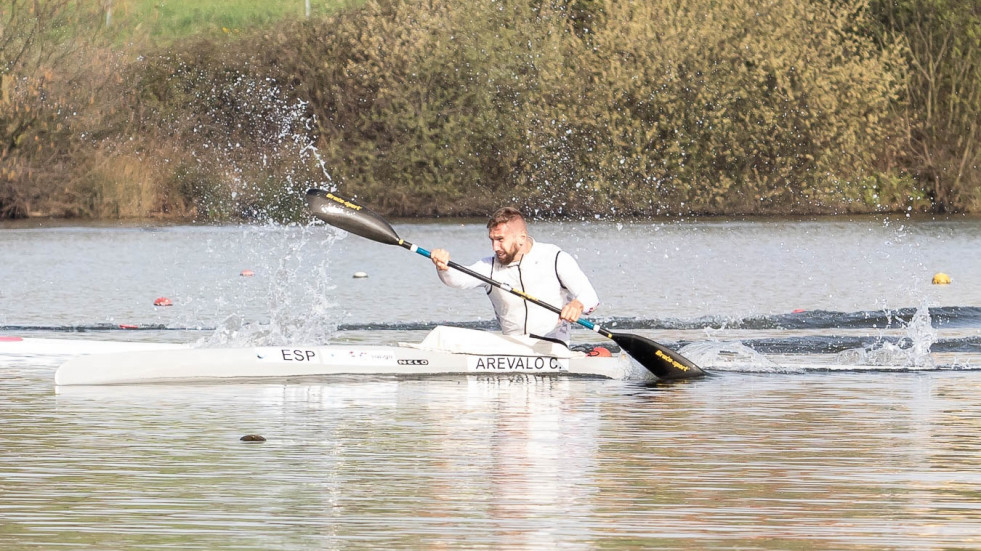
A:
[360, 275]
[129, 326]
[247, 273]
[253, 438]
[798, 311]
[941, 278]
[163, 301]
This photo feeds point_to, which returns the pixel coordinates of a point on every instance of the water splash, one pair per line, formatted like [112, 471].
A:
[913, 350]
[259, 142]
[253, 150]
[291, 301]
[729, 356]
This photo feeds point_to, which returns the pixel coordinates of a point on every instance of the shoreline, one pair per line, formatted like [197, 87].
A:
[54, 222]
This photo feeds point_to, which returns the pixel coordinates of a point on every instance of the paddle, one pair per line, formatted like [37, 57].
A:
[343, 214]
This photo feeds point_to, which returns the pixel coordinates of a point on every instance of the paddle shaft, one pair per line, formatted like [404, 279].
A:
[500, 285]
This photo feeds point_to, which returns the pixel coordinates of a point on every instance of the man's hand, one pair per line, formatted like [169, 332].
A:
[441, 258]
[572, 311]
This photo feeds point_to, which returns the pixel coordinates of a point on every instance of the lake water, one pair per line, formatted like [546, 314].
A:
[842, 411]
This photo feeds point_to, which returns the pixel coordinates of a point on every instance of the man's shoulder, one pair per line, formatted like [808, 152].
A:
[545, 249]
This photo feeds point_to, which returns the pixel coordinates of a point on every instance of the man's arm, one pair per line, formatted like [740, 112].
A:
[573, 279]
[456, 278]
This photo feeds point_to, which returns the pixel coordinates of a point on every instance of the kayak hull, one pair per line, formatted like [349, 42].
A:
[445, 351]
[286, 362]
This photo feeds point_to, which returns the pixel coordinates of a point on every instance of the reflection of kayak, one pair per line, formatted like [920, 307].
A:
[29, 346]
[445, 350]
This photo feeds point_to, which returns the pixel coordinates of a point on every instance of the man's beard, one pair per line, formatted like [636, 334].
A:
[508, 255]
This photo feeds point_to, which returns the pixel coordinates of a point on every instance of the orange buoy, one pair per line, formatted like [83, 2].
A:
[128, 326]
[599, 351]
[163, 301]
[798, 311]
[247, 273]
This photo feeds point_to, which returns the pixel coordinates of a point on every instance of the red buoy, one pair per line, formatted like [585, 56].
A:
[163, 301]
[247, 273]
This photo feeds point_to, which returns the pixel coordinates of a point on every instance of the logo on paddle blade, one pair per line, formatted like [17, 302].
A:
[671, 360]
[344, 202]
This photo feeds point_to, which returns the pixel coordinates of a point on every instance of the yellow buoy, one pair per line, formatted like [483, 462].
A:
[941, 278]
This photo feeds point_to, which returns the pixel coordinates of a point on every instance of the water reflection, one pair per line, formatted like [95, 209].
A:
[517, 452]
[754, 461]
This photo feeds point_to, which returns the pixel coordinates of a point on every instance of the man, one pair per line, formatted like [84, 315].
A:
[538, 269]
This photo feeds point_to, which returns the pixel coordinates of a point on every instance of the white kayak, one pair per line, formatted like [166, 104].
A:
[446, 350]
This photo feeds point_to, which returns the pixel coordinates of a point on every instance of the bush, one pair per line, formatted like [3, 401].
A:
[943, 38]
[62, 103]
[653, 107]
[566, 107]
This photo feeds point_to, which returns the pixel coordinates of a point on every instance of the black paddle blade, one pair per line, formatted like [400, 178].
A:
[662, 362]
[351, 217]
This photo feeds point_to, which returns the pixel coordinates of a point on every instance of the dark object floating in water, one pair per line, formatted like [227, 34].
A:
[253, 438]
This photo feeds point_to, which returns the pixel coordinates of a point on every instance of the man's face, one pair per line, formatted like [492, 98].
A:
[506, 242]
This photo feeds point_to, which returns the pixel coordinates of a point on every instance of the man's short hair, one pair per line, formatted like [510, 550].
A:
[504, 216]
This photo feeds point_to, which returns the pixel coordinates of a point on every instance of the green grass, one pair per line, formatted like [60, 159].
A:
[168, 20]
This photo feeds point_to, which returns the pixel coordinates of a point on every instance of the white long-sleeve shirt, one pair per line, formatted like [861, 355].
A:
[546, 273]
